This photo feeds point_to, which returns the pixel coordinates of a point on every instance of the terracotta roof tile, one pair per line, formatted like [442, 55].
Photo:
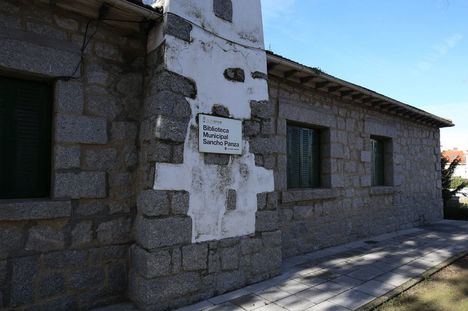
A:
[451, 155]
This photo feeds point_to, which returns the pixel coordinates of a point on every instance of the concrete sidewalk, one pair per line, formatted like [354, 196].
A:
[349, 276]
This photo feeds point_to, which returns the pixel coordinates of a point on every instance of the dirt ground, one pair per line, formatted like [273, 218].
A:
[446, 290]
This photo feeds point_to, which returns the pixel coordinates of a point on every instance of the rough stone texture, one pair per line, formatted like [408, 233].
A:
[125, 112]
[81, 129]
[259, 75]
[223, 9]
[159, 292]
[261, 109]
[266, 261]
[100, 159]
[153, 233]
[169, 129]
[123, 131]
[252, 128]
[216, 159]
[272, 239]
[24, 271]
[67, 157]
[266, 220]
[3, 271]
[85, 278]
[45, 238]
[11, 239]
[151, 264]
[72, 254]
[80, 185]
[220, 110]
[199, 270]
[44, 60]
[64, 259]
[231, 200]
[178, 27]
[180, 203]
[69, 97]
[230, 258]
[92, 208]
[82, 234]
[153, 203]
[350, 208]
[117, 230]
[234, 74]
[194, 257]
[28, 210]
[52, 285]
[66, 23]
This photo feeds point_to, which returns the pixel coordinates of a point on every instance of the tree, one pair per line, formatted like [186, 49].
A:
[456, 181]
[447, 178]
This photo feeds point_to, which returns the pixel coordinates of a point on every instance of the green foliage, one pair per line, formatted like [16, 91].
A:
[457, 181]
[447, 179]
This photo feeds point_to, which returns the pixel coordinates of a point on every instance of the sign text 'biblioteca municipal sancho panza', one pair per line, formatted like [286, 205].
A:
[220, 135]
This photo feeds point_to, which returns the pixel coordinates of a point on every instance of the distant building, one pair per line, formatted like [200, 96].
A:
[462, 168]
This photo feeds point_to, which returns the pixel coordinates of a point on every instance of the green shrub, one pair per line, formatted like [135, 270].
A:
[451, 185]
[457, 181]
[447, 178]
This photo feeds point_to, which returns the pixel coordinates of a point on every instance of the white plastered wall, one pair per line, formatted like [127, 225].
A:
[204, 60]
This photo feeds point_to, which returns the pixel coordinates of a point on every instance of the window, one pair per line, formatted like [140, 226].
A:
[25, 131]
[378, 161]
[303, 157]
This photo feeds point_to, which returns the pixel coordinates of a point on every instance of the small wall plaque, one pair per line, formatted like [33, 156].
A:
[219, 135]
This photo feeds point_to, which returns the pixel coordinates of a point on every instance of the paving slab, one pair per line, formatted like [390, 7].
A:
[352, 299]
[294, 287]
[295, 303]
[347, 281]
[375, 288]
[366, 273]
[327, 306]
[271, 307]
[250, 302]
[227, 306]
[229, 296]
[273, 294]
[349, 276]
[204, 305]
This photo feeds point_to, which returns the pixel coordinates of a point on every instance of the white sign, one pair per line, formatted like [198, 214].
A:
[219, 135]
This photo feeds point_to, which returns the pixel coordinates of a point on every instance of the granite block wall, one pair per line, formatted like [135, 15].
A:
[347, 207]
[70, 251]
[111, 232]
[171, 266]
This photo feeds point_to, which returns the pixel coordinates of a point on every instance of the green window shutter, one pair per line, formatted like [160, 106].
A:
[26, 128]
[4, 126]
[294, 157]
[316, 163]
[304, 157]
[378, 165]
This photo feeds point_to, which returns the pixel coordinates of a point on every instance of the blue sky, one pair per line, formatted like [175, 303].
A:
[414, 51]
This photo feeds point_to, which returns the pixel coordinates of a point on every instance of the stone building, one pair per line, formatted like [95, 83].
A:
[104, 194]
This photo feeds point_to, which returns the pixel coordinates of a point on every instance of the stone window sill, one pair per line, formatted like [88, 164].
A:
[382, 190]
[34, 209]
[297, 195]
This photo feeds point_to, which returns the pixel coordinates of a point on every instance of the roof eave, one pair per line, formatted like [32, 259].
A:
[312, 77]
[123, 14]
